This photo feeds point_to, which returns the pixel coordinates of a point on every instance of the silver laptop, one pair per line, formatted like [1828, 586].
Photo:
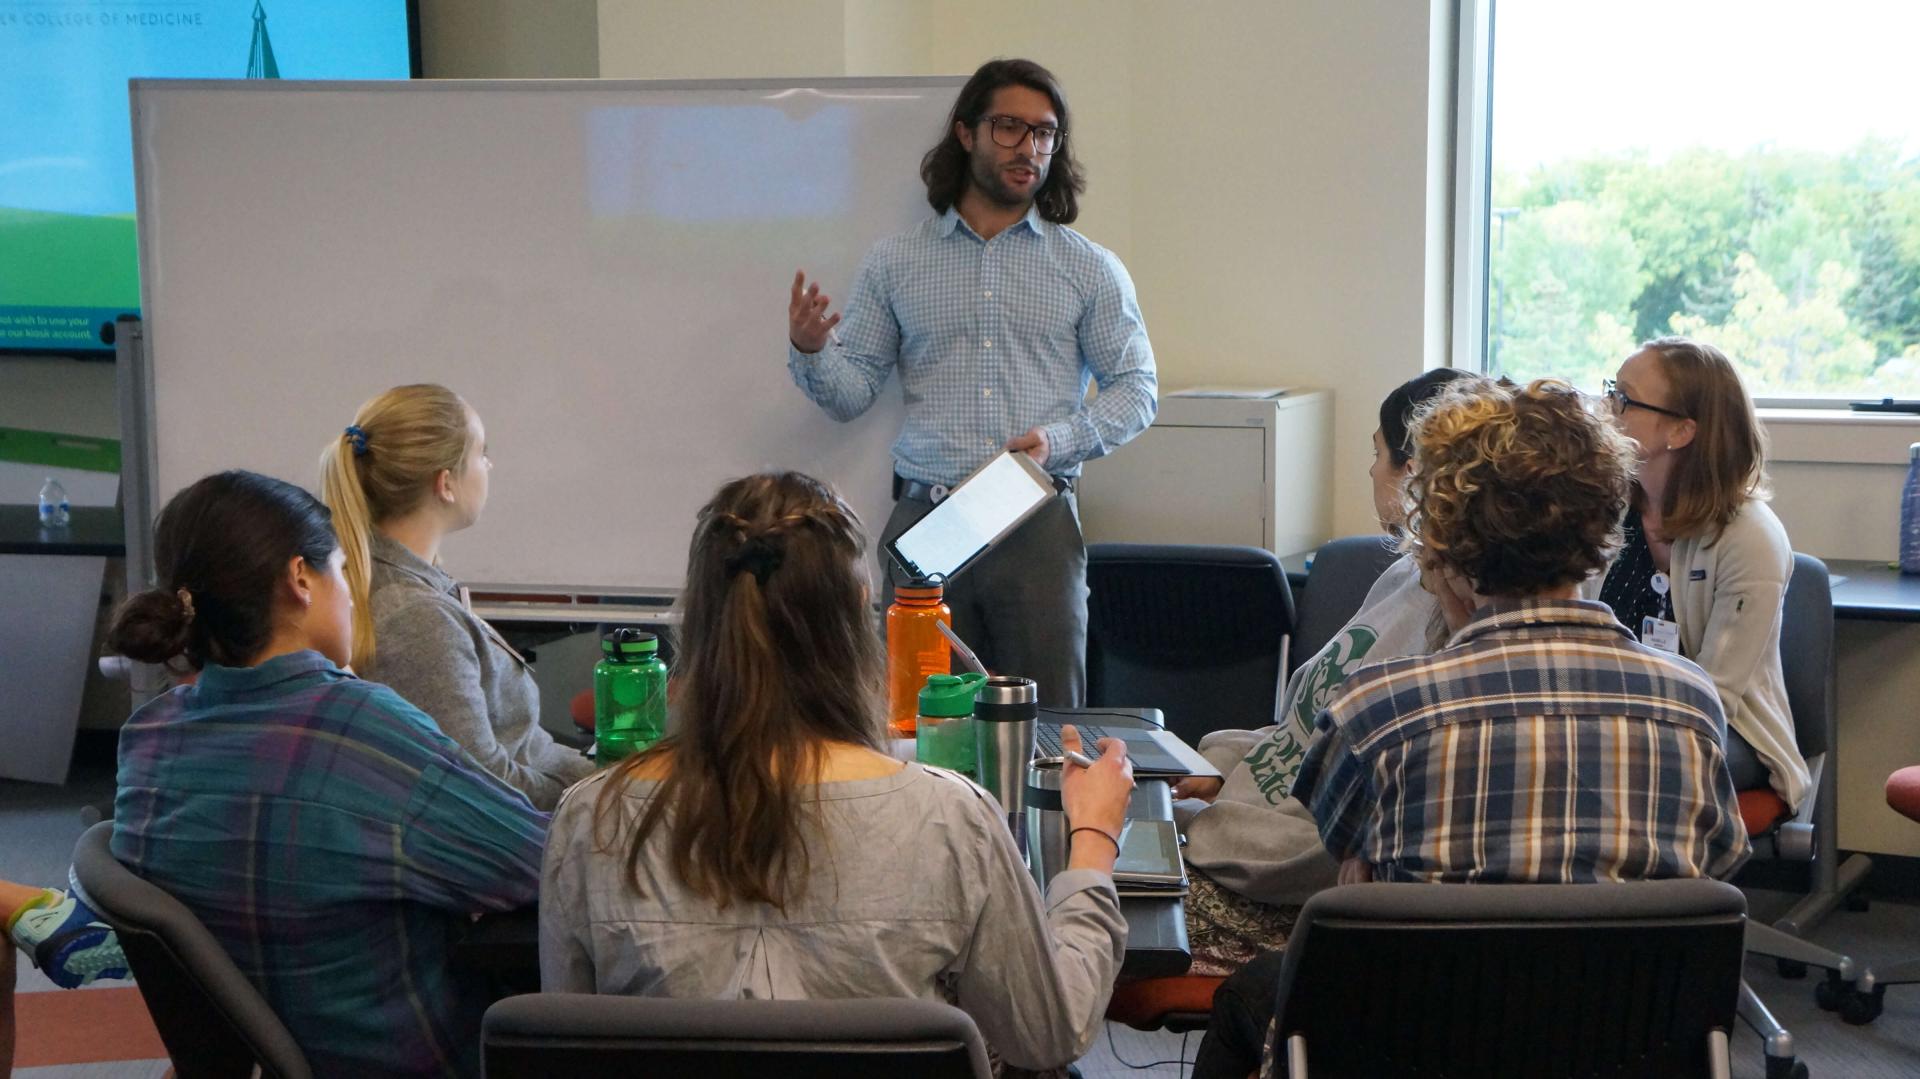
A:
[1155, 753]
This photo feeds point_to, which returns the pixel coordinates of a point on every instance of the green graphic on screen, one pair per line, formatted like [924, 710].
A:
[68, 251]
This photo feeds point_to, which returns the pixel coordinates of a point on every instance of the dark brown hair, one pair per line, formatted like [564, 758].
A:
[219, 550]
[778, 656]
[1519, 489]
[1398, 409]
[1726, 463]
[947, 168]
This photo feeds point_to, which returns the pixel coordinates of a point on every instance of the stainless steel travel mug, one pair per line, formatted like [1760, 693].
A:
[1046, 821]
[1004, 715]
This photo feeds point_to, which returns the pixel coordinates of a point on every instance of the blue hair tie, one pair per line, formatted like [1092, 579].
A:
[359, 439]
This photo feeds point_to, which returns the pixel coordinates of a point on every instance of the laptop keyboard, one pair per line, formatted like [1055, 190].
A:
[1046, 740]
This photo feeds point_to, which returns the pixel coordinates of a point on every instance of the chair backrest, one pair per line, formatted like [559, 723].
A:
[581, 1035]
[211, 1019]
[1806, 653]
[1343, 570]
[1195, 631]
[1569, 980]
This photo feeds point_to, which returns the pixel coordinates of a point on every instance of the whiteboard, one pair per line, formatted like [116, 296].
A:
[600, 268]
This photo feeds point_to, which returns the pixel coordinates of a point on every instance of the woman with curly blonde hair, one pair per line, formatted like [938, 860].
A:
[1544, 744]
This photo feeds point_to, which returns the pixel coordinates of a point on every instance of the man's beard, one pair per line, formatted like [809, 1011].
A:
[985, 174]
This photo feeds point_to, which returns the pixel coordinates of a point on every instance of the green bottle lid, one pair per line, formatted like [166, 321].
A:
[948, 695]
[629, 643]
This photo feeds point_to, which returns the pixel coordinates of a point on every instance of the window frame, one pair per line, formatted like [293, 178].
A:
[1473, 207]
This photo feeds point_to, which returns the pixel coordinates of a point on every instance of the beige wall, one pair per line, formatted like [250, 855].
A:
[720, 39]
[1267, 171]
[509, 39]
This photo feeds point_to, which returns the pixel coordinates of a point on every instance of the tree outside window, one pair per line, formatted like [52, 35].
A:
[1748, 174]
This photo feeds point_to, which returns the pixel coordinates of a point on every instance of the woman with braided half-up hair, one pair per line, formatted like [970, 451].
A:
[768, 847]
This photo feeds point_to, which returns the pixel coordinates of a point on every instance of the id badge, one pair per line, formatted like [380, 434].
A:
[1660, 633]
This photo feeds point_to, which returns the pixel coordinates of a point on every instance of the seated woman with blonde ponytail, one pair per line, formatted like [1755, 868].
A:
[411, 468]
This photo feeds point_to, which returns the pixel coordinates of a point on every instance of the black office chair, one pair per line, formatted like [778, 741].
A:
[582, 1036]
[1198, 632]
[1342, 572]
[1806, 659]
[1569, 980]
[211, 1019]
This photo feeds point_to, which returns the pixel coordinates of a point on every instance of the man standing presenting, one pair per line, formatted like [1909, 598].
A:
[997, 316]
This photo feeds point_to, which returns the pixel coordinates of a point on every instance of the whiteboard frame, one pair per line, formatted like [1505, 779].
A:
[135, 370]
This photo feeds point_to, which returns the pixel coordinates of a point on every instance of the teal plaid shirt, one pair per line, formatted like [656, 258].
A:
[992, 338]
[335, 843]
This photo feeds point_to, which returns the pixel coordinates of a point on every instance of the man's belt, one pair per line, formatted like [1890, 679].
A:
[937, 492]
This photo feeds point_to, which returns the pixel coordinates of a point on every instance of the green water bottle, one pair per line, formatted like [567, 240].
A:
[629, 694]
[943, 736]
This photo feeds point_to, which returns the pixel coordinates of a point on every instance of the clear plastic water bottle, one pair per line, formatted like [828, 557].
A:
[54, 510]
[1910, 514]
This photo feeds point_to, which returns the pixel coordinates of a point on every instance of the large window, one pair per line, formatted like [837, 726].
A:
[1743, 172]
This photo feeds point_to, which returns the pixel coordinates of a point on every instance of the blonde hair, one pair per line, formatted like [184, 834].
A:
[1725, 465]
[380, 467]
[1518, 489]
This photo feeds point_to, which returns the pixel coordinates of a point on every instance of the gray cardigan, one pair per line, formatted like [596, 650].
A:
[454, 667]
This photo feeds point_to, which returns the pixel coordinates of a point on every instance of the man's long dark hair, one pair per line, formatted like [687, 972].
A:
[946, 168]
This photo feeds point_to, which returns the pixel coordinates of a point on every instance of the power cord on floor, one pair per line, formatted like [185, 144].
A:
[1183, 1062]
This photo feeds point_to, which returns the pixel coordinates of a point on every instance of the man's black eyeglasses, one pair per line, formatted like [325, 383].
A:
[1619, 402]
[1011, 131]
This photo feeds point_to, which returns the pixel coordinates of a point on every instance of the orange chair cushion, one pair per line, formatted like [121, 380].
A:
[1144, 1004]
[581, 707]
[1760, 810]
[1903, 792]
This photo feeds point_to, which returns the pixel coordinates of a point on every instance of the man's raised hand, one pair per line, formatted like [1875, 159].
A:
[808, 323]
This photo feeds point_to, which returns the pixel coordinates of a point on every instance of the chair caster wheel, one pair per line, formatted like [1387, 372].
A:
[1791, 968]
[1858, 1009]
[1785, 1068]
[1831, 994]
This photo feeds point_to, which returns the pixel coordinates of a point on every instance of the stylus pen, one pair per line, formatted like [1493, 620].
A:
[960, 648]
[1078, 758]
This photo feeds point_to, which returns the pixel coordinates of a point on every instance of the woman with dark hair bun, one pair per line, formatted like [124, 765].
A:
[369, 837]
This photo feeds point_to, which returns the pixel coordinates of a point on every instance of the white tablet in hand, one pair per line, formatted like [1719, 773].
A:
[974, 516]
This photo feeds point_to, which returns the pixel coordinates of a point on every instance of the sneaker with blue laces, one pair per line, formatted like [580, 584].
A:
[68, 941]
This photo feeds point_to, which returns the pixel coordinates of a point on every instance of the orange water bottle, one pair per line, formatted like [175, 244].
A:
[915, 649]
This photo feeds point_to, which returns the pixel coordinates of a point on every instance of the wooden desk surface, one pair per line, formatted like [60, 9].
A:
[94, 530]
